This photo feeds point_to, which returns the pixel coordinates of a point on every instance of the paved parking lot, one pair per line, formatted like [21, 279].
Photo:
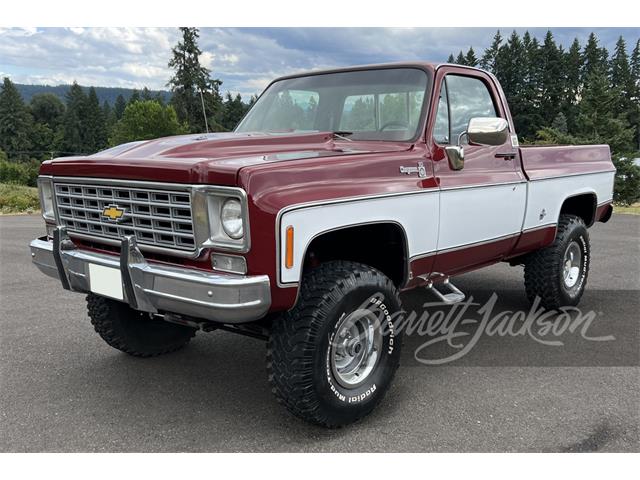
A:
[63, 389]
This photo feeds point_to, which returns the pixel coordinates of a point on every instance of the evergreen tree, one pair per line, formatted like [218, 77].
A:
[146, 95]
[488, 60]
[551, 82]
[192, 84]
[597, 120]
[594, 58]
[73, 124]
[95, 124]
[470, 58]
[572, 87]
[135, 97]
[460, 60]
[15, 123]
[621, 79]
[451, 58]
[634, 117]
[234, 110]
[119, 106]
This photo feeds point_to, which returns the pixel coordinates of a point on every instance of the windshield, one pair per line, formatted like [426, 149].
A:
[383, 104]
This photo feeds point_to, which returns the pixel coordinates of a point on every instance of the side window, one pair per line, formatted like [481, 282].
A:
[441, 128]
[468, 98]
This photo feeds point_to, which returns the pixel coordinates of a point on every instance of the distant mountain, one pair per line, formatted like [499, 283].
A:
[104, 93]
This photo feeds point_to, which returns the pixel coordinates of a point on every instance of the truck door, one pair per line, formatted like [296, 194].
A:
[483, 204]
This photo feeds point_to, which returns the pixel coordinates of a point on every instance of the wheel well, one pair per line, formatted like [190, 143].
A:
[379, 245]
[583, 206]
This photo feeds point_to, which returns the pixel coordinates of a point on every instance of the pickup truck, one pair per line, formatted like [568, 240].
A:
[338, 190]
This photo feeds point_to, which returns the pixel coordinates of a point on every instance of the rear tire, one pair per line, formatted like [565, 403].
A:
[333, 356]
[134, 332]
[558, 273]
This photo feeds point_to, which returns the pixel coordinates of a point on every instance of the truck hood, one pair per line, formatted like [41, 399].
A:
[214, 158]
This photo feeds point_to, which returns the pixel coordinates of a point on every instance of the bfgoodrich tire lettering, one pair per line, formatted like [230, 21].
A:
[134, 332]
[546, 272]
[303, 340]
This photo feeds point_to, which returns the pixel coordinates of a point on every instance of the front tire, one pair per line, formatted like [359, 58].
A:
[332, 357]
[558, 273]
[133, 332]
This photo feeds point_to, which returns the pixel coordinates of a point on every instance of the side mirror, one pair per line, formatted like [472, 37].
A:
[488, 131]
[492, 131]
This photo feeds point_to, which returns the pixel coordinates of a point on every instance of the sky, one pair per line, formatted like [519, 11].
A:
[245, 59]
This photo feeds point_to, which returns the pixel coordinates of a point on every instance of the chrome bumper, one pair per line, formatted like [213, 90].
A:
[156, 288]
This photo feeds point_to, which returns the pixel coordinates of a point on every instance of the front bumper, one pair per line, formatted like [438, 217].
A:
[156, 288]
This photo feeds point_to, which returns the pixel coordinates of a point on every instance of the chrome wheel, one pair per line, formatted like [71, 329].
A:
[572, 264]
[355, 348]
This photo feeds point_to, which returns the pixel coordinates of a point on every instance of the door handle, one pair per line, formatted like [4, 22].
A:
[506, 156]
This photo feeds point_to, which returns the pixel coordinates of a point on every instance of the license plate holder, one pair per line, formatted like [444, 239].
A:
[105, 281]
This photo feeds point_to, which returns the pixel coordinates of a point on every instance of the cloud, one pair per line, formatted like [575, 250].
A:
[246, 59]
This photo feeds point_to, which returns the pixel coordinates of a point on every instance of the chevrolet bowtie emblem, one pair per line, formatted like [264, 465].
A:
[113, 212]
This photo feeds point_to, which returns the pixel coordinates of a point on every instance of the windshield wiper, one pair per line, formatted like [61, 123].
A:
[342, 134]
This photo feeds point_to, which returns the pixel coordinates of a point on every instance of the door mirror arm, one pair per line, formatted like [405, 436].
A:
[455, 154]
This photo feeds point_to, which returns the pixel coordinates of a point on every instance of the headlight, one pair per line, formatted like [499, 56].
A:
[231, 218]
[45, 189]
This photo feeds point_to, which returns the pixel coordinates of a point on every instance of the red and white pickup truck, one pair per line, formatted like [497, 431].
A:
[338, 190]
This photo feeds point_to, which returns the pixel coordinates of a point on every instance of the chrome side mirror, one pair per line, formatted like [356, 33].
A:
[488, 131]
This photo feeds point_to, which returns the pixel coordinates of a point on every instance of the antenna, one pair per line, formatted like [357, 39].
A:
[204, 112]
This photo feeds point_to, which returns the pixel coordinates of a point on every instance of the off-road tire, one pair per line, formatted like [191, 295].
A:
[299, 345]
[543, 270]
[134, 332]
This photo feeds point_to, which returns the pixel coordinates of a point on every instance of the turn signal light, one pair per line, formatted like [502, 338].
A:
[288, 259]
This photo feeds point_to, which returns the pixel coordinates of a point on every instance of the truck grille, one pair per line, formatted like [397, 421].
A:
[160, 218]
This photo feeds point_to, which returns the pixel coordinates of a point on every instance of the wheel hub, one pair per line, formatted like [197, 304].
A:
[572, 265]
[355, 349]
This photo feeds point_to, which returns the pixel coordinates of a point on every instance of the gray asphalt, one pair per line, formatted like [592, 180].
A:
[63, 389]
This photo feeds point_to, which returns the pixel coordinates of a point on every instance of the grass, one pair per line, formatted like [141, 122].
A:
[631, 209]
[18, 199]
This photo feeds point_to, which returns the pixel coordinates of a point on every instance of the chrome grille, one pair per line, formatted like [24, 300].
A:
[161, 218]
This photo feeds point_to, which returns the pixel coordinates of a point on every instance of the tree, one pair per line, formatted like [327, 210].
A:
[594, 58]
[135, 97]
[572, 87]
[488, 60]
[234, 110]
[470, 58]
[192, 84]
[634, 118]
[73, 125]
[118, 107]
[95, 124]
[621, 78]
[15, 122]
[451, 58]
[47, 109]
[551, 82]
[145, 120]
[460, 60]
[597, 120]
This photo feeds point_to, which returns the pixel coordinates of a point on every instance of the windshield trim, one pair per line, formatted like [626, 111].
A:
[426, 103]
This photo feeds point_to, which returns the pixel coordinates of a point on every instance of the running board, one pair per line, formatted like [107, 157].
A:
[454, 295]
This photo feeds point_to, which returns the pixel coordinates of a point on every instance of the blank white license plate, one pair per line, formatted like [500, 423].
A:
[105, 281]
